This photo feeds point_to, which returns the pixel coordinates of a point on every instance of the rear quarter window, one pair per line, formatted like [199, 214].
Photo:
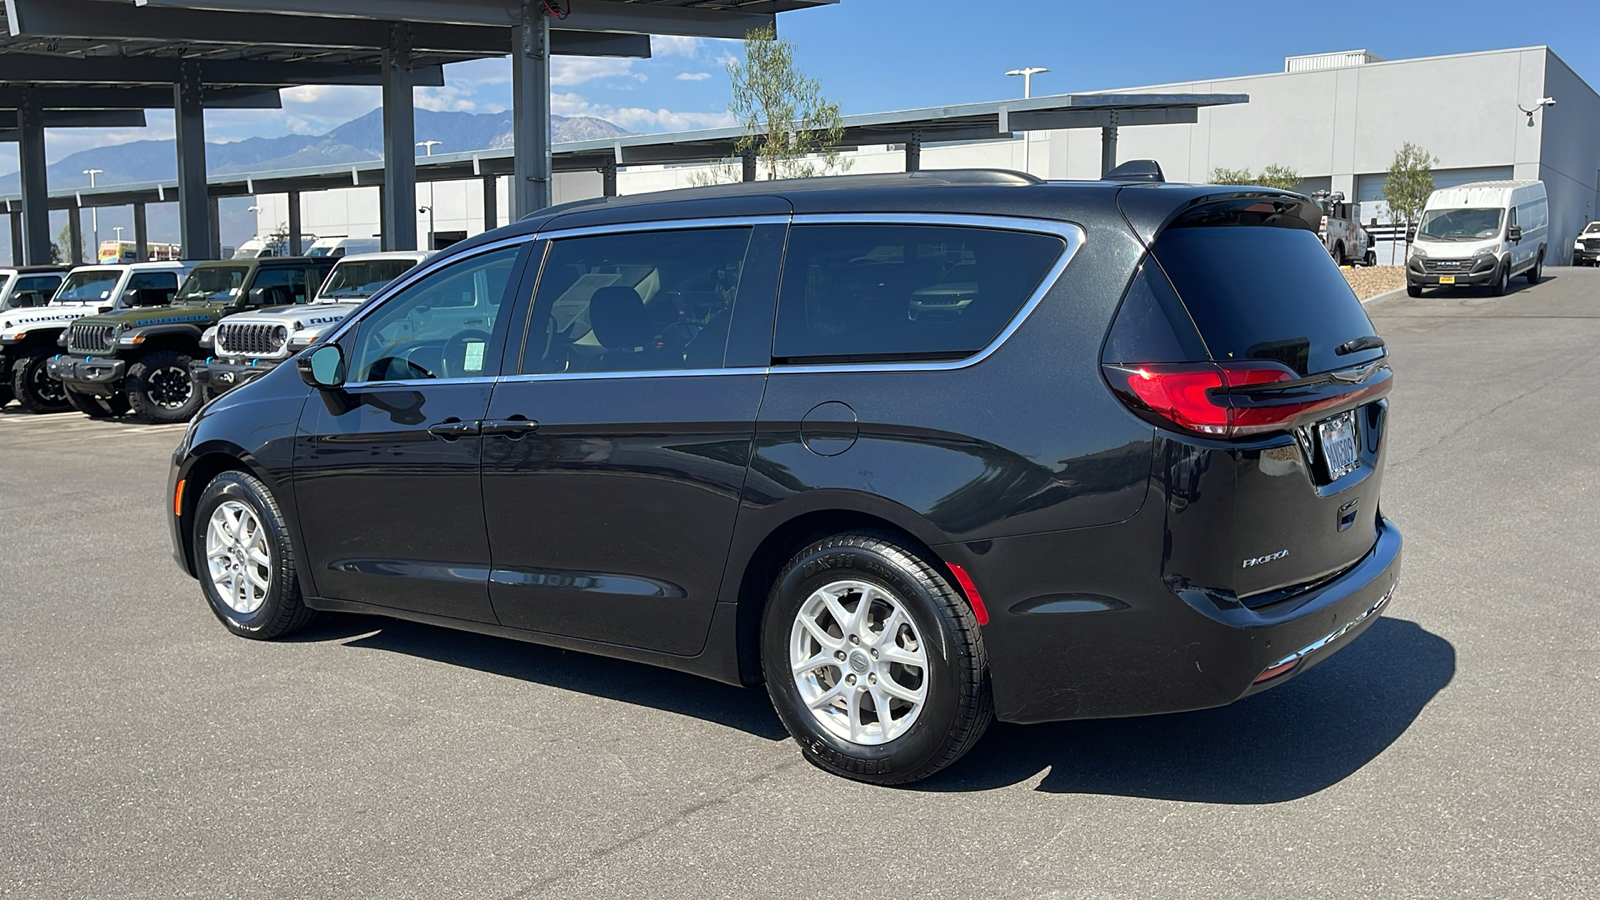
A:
[1263, 292]
[904, 292]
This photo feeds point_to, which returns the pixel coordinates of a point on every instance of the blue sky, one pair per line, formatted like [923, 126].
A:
[874, 55]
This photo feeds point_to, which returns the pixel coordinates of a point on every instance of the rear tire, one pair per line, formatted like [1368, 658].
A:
[34, 388]
[244, 560]
[96, 407]
[900, 685]
[1537, 272]
[1370, 259]
[161, 389]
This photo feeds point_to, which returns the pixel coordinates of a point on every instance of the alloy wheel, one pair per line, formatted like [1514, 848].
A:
[46, 388]
[170, 387]
[858, 662]
[238, 556]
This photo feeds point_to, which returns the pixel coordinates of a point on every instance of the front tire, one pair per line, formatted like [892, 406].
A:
[161, 390]
[874, 661]
[244, 559]
[1413, 290]
[1502, 279]
[34, 388]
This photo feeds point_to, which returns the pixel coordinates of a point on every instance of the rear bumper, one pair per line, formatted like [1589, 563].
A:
[1154, 650]
[223, 376]
[99, 377]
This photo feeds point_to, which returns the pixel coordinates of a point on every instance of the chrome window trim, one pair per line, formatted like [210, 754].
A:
[646, 373]
[1072, 233]
[422, 270]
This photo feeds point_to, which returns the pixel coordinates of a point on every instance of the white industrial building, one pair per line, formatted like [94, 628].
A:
[1336, 118]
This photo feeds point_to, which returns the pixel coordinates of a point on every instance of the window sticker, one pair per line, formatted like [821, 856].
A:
[474, 361]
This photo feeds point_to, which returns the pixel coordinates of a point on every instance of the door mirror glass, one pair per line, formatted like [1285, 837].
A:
[323, 367]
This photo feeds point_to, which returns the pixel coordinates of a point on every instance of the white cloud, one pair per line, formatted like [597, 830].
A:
[675, 45]
[569, 70]
[656, 120]
[445, 99]
[693, 76]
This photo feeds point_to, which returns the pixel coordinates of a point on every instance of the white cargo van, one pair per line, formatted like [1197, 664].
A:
[338, 245]
[1480, 233]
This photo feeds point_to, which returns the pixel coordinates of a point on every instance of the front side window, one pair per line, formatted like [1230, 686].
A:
[862, 293]
[636, 302]
[437, 327]
[1461, 224]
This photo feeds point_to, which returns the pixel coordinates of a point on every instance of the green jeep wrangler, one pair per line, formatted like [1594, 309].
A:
[138, 359]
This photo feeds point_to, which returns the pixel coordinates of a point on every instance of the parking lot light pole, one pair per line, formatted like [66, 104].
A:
[428, 147]
[1027, 74]
[94, 216]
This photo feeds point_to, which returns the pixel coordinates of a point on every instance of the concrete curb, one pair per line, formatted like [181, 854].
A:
[1385, 297]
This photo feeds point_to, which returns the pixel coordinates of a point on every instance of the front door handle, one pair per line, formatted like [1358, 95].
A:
[450, 429]
[513, 428]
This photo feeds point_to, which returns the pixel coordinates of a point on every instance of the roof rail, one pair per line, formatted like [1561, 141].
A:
[1136, 170]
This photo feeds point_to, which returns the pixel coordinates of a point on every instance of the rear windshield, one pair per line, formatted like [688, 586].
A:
[1265, 293]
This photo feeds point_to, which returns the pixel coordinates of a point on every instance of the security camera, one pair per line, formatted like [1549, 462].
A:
[1547, 101]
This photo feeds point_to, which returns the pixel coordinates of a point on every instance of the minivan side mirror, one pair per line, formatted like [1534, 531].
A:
[322, 367]
[1514, 233]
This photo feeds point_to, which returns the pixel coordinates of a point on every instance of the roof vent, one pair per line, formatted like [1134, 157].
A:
[1136, 170]
[1343, 59]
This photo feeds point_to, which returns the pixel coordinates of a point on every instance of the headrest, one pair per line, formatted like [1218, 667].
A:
[619, 319]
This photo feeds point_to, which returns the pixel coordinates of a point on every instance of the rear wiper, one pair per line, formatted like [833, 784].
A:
[1356, 345]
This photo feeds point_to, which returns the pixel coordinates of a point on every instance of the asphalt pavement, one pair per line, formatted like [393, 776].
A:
[1449, 752]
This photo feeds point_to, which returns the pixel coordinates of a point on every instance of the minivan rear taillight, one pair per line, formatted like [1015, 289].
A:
[1235, 399]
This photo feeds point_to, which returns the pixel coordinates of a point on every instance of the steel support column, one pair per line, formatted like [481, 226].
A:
[214, 227]
[16, 238]
[530, 93]
[1108, 149]
[35, 190]
[914, 152]
[747, 161]
[491, 203]
[194, 210]
[296, 245]
[608, 179]
[399, 201]
[75, 236]
[141, 234]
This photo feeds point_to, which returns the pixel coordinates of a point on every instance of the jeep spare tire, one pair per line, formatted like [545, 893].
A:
[161, 389]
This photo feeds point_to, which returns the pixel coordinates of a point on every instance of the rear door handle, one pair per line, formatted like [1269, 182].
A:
[513, 428]
[450, 429]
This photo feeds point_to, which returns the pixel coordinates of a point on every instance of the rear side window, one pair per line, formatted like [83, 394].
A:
[1268, 293]
[645, 301]
[903, 292]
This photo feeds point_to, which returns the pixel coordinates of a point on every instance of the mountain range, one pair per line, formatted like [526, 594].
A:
[359, 140]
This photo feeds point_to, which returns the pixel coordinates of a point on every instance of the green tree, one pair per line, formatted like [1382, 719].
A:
[61, 247]
[1408, 186]
[1277, 176]
[791, 127]
[1274, 176]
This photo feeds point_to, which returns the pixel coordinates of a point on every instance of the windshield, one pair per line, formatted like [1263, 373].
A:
[212, 285]
[88, 286]
[1461, 224]
[1594, 228]
[360, 280]
[319, 251]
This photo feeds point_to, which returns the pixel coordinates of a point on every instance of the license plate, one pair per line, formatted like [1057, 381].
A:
[1338, 438]
[1447, 279]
